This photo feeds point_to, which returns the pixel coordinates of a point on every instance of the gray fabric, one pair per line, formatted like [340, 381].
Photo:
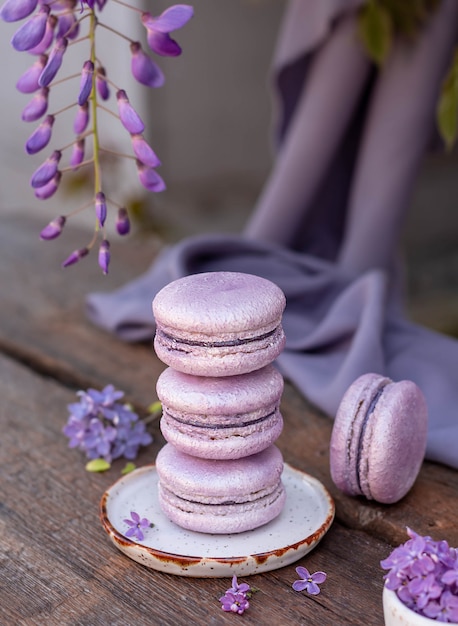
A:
[326, 226]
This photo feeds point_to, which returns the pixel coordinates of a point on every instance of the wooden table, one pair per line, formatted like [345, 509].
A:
[57, 564]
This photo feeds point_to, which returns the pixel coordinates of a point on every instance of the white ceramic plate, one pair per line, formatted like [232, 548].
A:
[306, 517]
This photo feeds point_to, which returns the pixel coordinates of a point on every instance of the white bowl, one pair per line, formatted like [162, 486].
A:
[398, 614]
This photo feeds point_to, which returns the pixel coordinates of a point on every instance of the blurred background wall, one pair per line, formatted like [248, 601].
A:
[210, 125]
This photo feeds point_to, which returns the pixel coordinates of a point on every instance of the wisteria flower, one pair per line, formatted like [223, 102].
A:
[424, 575]
[136, 526]
[308, 582]
[46, 32]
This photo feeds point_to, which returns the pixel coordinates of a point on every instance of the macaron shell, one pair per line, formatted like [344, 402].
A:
[344, 445]
[394, 443]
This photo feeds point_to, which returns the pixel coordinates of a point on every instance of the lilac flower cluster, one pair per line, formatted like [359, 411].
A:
[137, 526]
[103, 428]
[424, 575]
[236, 598]
[49, 29]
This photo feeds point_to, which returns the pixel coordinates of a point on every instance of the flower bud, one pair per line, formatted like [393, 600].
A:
[81, 119]
[122, 222]
[101, 207]
[144, 152]
[54, 62]
[75, 256]
[15, 10]
[127, 114]
[104, 255]
[77, 154]
[46, 171]
[102, 84]
[48, 37]
[149, 178]
[28, 82]
[48, 190]
[37, 107]
[54, 228]
[31, 32]
[41, 136]
[86, 82]
[143, 67]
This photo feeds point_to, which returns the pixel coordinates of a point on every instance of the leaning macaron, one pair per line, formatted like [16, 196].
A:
[219, 323]
[221, 418]
[378, 440]
[220, 497]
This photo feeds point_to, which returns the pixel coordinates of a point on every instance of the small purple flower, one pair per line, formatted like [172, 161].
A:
[102, 84]
[101, 207]
[136, 526]
[77, 156]
[239, 588]
[234, 602]
[158, 28]
[75, 256]
[54, 62]
[46, 191]
[81, 119]
[41, 136]
[86, 82]
[48, 37]
[104, 256]
[143, 67]
[31, 32]
[308, 582]
[149, 178]
[144, 152]
[47, 170]
[127, 114]
[28, 82]
[54, 228]
[37, 106]
[122, 222]
[15, 10]
[444, 610]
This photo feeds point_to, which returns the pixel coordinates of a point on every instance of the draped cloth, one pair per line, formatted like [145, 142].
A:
[326, 227]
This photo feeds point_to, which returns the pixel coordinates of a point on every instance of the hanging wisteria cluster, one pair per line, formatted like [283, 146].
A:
[48, 29]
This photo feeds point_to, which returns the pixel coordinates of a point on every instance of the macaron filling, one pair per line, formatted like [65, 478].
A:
[228, 343]
[226, 421]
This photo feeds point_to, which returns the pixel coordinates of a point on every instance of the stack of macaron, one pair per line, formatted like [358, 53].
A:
[219, 332]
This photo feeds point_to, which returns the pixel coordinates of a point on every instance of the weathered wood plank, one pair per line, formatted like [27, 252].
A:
[58, 566]
[42, 323]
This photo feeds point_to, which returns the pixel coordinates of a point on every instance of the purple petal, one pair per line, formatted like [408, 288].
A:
[303, 572]
[28, 82]
[104, 255]
[46, 171]
[54, 228]
[14, 10]
[101, 207]
[31, 32]
[143, 67]
[48, 37]
[86, 82]
[54, 62]
[135, 516]
[131, 531]
[144, 152]
[171, 19]
[37, 107]
[46, 191]
[40, 138]
[75, 256]
[300, 585]
[127, 114]
[81, 119]
[122, 222]
[77, 154]
[68, 26]
[313, 589]
[102, 84]
[319, 577]
[163, 44]
[149, 178]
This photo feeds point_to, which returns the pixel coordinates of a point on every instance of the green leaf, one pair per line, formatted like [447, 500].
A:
[97, 465]
[447, 108]
[128, 467]
[375, 28]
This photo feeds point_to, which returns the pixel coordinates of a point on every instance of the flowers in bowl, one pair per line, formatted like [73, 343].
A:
[424, 575]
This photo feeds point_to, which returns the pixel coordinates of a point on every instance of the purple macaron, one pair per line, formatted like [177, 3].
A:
[221, 418]
[220, 497]
[378, 440]
[219, 323]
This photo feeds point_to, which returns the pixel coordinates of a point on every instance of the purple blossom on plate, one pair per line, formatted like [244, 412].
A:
[308, 582]
[136, 526]
[158, 28]
[143, 68]
[54, 228]
[424, 575]
[100, 426]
